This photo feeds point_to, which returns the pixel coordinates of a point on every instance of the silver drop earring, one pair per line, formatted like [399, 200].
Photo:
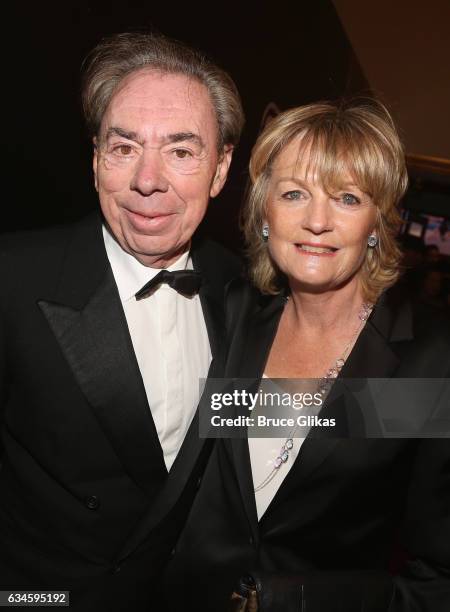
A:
[265, 232]
[372, 241]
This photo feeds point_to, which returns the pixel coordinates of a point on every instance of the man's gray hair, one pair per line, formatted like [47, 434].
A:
[117, 56]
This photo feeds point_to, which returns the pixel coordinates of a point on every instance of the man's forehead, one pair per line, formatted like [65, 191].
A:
[170, 103]
[155, 90]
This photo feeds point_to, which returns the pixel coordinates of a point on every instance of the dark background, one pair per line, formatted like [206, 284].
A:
[284, 52]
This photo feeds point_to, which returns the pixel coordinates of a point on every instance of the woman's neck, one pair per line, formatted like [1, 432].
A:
[332, 310]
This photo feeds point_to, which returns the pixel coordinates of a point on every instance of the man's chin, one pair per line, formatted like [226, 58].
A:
[155, 252]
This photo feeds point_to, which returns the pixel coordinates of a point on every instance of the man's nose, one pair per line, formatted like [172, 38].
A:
[318, 215]
[148, 175]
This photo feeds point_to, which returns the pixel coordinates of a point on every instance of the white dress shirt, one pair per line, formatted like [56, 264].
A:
[170, 341]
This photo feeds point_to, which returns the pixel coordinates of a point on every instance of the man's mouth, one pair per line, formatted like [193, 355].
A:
[150, 221]
[151, 215]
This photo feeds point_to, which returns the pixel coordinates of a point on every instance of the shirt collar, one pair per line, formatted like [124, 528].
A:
[130, 275]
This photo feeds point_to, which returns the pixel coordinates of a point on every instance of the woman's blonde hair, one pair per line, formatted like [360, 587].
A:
[357, 137]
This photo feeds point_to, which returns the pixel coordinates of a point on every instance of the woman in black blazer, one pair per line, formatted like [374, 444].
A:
[329, 506]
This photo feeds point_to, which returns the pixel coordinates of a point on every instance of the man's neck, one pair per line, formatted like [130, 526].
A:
[161, 261]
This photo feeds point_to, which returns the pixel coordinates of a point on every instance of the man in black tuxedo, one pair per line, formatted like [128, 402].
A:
[100, 361]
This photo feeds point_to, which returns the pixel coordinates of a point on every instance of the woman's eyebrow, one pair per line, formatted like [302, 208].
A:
[292, 179]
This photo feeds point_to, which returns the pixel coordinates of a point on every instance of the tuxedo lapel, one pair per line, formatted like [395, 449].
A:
[188, 463]
[87, 319]
[216, 273]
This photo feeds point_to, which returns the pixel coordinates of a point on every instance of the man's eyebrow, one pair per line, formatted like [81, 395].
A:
[171, 138]
[118, 131]
[185, 136]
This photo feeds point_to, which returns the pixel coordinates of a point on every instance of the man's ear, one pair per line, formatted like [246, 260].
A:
[221, 171]
[95, 161]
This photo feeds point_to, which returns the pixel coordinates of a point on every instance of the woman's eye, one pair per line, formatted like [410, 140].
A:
[348, 198]
[292, 195]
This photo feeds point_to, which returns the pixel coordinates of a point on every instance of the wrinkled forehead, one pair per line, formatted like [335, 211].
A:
[154, 82]
[148, 95]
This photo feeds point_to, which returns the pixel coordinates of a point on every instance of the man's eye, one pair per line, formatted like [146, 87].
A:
[124, 150]
[182, 153]
[348, 199]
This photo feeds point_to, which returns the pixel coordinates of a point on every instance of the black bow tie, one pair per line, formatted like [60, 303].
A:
[186, 282]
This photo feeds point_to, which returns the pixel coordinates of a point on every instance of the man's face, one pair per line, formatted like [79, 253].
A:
[156, 164]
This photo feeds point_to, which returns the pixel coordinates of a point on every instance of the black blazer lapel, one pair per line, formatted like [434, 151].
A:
[88, 321]
[373, 356]
[247, 360]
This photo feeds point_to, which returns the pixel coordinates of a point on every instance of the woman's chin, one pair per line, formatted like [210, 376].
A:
[319, 285]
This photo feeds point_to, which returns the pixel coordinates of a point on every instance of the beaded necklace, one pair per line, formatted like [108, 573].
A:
[324, 385]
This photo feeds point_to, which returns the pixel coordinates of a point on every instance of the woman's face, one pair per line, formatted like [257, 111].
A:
[319, 241]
